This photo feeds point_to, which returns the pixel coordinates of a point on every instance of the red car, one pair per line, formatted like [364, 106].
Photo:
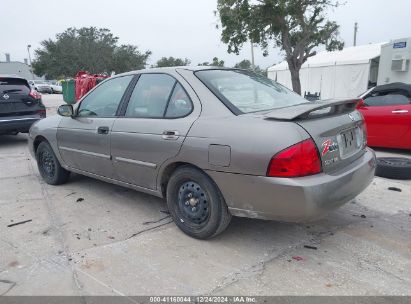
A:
[387, 113]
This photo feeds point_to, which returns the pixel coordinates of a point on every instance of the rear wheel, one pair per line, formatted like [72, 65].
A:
[196, 204]
[49, 167]
[394, 167]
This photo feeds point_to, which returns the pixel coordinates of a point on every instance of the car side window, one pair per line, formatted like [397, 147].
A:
[158, 96]
[387, 100]
[180, 104]
[150, 96]
[105, 99]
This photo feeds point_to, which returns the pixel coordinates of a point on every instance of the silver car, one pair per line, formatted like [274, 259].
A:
[40, 86]
[214, 143]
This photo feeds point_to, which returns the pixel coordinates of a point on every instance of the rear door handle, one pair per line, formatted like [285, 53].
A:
[103, 130]
[399, 111]
[170, 135]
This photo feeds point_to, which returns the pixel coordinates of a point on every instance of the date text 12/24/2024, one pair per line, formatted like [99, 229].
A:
[203, 299]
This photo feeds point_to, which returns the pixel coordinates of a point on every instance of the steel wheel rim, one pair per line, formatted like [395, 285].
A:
[193, 204]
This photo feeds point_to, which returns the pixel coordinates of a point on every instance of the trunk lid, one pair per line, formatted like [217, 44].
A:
[15, 99]
[335, 126]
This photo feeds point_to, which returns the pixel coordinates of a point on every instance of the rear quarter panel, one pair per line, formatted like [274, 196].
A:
[252, 142]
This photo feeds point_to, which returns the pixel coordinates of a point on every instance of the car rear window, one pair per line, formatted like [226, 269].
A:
[246, 92]
[14, 85]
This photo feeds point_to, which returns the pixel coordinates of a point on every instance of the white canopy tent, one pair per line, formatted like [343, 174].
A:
[337, 74]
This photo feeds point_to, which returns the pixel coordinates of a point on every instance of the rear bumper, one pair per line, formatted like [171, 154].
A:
[295, 199]
[12, 125]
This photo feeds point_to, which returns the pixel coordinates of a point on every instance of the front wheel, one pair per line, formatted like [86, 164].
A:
[49, 167]
[196, 204]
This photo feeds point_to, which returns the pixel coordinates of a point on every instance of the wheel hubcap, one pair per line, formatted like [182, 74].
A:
[193, 204]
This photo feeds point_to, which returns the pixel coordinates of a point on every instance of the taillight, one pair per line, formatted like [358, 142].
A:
[299, 160]
[42, 113]
[35, 94]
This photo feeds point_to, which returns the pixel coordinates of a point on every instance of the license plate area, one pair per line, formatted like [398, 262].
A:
[350, 142]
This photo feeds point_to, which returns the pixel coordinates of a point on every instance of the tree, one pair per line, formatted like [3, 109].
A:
[216, 62]
[246, 65]
[90, 49]
[296, 26]
[171, 61]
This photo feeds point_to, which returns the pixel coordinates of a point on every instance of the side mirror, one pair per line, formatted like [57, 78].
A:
[66, 110]
[361, 104]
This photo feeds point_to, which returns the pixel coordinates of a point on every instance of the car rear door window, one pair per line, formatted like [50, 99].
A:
[387, 100]
[158, 96]
[150, 96]
[180, 104]
[105, 99]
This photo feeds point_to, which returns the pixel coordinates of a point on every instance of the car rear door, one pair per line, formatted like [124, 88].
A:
[15, 100]
[84, 140]
[388, 119]
[156, 121]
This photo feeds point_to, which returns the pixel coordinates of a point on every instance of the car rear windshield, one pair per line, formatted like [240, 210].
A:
[14, 85]
[246, 92]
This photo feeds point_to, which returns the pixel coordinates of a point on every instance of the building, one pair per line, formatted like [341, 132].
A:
[338, 74]
[21, 69]
[395, 62]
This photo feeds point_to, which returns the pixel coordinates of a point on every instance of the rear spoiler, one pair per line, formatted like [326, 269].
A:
[311, 110]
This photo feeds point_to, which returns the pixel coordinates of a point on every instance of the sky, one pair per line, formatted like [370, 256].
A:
[178, 28]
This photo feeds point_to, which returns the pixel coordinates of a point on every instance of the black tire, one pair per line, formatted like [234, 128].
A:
[49, 167]
[394, 167]
[210, 216]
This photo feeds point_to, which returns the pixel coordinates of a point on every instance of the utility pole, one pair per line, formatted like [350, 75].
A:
[31, 69]
[252, 56]
[355, 33]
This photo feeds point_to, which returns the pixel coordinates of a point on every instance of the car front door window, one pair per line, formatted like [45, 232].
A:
[105, 99]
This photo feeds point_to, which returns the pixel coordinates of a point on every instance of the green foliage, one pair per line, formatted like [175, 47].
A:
[171, 62]
[246, 65]
[296, 26]
[215, 62]
[90, 49]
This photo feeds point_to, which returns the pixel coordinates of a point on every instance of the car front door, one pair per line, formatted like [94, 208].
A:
[388, 119]
[84, 140]
[156, 121]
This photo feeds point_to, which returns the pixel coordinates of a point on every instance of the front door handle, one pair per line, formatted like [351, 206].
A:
[399, 111]
[103, 130]
[173, 135]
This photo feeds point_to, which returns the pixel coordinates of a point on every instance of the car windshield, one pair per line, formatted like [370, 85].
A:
[246, 92]
[39, 82]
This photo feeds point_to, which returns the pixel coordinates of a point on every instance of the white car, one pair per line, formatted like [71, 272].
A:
[56, 87]
[40, 86]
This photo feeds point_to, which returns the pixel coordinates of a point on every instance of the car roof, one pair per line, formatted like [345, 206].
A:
[169, 69]
[393, 87]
